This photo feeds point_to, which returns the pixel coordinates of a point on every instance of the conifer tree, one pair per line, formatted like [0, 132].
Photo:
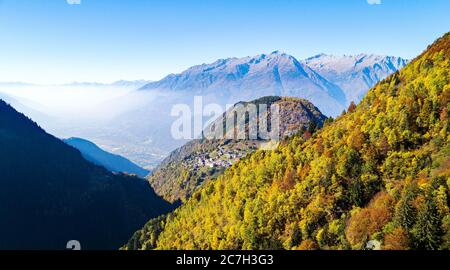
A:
[405, 212]
[427, 231]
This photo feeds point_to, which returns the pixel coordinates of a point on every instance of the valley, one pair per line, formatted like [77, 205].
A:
[204, 133]
[311, 190]
[120, 117]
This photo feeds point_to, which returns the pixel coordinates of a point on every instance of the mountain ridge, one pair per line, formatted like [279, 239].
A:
[279, 74]
[112, 162]
[355, 73]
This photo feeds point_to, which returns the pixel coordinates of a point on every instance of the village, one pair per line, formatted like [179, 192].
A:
[221, 158]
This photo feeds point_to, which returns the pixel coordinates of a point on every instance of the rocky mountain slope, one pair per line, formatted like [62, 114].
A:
[188, 167]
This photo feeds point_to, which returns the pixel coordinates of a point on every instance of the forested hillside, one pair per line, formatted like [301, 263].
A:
[188, 167]
[49, 194]
[378, 172]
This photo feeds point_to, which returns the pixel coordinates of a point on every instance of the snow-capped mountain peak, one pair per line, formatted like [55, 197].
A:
[355, 74]
[330, 82]
[346, 63]
[231, 69]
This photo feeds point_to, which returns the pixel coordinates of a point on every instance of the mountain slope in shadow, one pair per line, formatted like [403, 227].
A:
[112, 162]
[49, 194]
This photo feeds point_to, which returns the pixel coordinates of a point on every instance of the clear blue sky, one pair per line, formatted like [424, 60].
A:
[50, 41]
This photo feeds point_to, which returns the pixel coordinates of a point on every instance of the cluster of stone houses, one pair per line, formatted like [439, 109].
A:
[223, 158]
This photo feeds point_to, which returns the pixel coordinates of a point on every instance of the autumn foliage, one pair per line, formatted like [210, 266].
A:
[378, 172]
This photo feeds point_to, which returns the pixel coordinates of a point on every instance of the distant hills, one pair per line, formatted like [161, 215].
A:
[188, 167]
[377, 174]
[114, 163]
[49, 194]
[122, 83]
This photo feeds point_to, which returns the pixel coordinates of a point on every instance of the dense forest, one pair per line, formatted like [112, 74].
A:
[49, 194]
[380, 171]
[187, 168]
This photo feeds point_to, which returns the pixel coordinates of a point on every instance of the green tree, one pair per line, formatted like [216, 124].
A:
[405, 212]
[428, 232]
[312, 127]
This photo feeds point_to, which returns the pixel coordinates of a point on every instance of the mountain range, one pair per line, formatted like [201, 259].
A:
[329, 82]
[355, 74]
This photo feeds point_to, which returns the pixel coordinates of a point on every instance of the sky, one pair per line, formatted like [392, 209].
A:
[52, 41]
